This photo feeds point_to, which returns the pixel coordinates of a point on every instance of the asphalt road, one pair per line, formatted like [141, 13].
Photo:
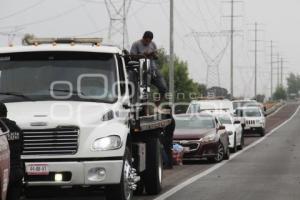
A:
[259, 173]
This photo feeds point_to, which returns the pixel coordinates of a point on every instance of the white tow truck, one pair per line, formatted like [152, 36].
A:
[81, 106]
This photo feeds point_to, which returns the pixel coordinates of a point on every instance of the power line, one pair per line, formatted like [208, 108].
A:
[66, 12]
[18, 12]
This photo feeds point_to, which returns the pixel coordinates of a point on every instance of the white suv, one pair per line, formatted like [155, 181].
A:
[253, 119]
[234, 129]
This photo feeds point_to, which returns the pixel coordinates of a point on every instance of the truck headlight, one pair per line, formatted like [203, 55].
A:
[112, 142]
[209, 138]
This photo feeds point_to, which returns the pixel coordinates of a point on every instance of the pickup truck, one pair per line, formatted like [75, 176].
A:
[82, 107]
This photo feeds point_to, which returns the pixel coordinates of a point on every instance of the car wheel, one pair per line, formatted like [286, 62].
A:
[220, 154]
[234, 149]
[241, 146]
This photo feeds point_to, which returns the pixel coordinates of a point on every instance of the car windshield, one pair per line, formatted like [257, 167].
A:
[224, 119]
[76, 76]
[195, 122]
[252, 113]
[248, 113]
[242, 104]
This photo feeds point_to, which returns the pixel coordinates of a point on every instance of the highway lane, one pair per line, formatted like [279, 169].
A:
[182, 173]
[268, 171]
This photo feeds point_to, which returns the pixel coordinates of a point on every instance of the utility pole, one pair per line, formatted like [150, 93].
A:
[171, 64]
[278, 70]
[255, 57]
[272, 68]
[232, 31]
[124, 23]
[232, 50]
[281, 72]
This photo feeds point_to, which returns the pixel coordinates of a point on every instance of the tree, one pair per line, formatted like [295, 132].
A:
[218, 91]
[293, 82]
[185, 88]
[260, 98]
[280, 93]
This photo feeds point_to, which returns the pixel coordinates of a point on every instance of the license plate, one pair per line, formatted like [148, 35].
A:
[37, 169]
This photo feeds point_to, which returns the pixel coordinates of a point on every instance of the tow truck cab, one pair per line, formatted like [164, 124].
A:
[72, 99]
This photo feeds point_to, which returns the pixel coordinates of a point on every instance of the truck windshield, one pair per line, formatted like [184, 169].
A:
[42, 76]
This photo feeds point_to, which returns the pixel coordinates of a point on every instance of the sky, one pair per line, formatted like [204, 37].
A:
[278, 21]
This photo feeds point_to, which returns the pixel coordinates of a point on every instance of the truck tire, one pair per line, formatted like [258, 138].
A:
[154, 167]
[121, 191]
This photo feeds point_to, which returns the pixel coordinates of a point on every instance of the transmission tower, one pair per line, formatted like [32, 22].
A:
[213, 62]
[118, 12]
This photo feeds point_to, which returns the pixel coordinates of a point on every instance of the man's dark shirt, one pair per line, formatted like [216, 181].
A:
[15, 140]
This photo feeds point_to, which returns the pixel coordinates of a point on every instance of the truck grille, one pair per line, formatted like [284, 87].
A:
[58, 141]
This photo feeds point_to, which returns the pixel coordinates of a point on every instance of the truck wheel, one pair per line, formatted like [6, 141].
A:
[140, 188]
[154, 167]
[122, 191]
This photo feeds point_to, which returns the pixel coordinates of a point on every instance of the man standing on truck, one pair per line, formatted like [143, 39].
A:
[15, 140]
[146, 48]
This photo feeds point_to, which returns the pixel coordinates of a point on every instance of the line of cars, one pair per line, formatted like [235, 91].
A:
[211, 129]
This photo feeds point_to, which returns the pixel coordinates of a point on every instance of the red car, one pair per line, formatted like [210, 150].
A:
[4, 163]
[202, 136]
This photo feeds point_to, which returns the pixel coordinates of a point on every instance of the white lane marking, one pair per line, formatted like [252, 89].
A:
[210, 170]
